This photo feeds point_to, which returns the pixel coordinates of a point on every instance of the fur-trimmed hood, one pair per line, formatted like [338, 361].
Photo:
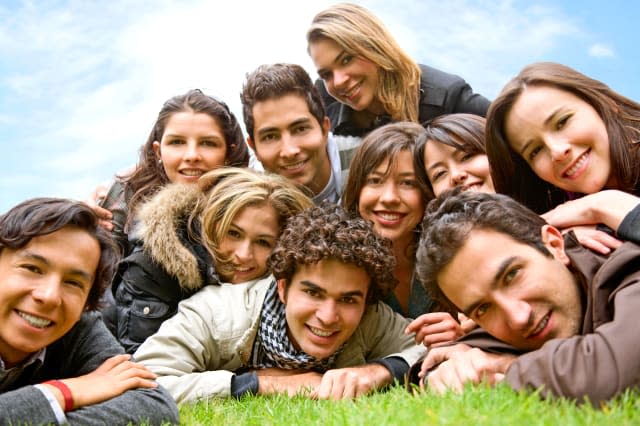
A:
[163, 227]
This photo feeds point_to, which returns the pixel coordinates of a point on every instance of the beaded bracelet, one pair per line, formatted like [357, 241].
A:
[66, 393]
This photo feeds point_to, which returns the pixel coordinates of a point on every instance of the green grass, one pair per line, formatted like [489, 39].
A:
[478, 405]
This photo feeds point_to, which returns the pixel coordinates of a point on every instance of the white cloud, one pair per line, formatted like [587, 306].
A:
[88, 78]
[600, 50]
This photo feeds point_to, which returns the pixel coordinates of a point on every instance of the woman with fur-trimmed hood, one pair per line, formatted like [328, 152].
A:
[220, 232]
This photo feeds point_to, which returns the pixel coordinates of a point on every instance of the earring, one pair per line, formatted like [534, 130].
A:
[160, 162]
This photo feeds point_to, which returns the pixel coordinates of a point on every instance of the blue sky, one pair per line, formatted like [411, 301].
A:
[81, 82]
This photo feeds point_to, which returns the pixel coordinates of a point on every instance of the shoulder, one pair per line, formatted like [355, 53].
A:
[433, 77]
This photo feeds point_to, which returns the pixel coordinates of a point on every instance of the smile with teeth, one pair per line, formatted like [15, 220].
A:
[540, 326]
[241, 269]
[583, 158]
[320, 332]
[192, 172]
[389, 216]
[34, 321]
[352, 91]
[294, 166]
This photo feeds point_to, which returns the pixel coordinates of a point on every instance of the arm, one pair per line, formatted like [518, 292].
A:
[89, 355]
[608, 207]
[189, 353]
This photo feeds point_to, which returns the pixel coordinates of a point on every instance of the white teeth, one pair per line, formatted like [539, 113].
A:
[541, 326]
[293, 166]
[35, 321]
[576, 166]
[390, 216]
[319, 332]
[242, 269]
[192, 172]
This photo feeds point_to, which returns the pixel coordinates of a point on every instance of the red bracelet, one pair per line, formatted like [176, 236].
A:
[66, 393]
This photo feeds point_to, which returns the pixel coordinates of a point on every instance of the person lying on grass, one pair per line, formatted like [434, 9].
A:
[58, 361]
[568, 312]
[315, 327]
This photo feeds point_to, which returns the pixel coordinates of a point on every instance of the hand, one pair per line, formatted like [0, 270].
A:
[94, 200]
[436, 328]
[593, 239]
[608, 207]
[114, 377]
[351, 382]
[461, 364]
[290, 382]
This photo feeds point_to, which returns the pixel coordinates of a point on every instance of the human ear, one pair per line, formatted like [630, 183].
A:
[156, 149]
[282, 290]
[554, 241]
[326, 125]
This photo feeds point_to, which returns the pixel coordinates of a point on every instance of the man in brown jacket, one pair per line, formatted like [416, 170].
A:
[555, 316]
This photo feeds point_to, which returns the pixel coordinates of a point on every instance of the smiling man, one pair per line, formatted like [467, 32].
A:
[317, 328]
[565, 310]
[58, 362]
[285, 119]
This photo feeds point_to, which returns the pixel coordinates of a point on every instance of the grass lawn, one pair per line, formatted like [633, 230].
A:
[476, 406]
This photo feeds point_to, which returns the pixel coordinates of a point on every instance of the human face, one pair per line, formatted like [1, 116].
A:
[350, 79]
[43, 290]
[324, 305]
[448, 167]
[191, 145]
[512, 290]
[561, 137]
[289, 141]
[393, 203]
[248, 242]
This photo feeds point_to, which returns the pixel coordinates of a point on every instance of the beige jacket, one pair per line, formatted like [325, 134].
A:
[196, 352]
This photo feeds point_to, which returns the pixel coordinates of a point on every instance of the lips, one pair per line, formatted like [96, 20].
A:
[577, 165]
[389, 218]
[475, 186]
[192, 172]
[540, 327]
[352, 92]
[294, 167]
[320, 332]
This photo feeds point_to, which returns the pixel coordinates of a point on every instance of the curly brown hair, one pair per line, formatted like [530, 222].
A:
[329, 232]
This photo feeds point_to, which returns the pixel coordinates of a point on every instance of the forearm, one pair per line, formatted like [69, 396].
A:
[26, 404]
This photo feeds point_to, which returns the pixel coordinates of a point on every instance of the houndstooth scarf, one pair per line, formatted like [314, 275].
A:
[273, 348]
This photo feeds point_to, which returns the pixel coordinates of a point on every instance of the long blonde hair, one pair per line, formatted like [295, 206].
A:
[228, 190]
[359, 32]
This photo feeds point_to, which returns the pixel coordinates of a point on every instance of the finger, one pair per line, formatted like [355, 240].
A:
[106, 225]
[594, 245]
[433, 340]
[112, 362]
[326, 386]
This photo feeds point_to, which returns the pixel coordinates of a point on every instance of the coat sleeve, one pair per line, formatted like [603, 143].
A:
[80, 352]
[629, 229]
[598, 365]
[188, 355]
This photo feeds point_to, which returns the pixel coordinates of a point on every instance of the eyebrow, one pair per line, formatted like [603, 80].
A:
[234, 225]
[309, 284]
[494, 283]
[75, 272]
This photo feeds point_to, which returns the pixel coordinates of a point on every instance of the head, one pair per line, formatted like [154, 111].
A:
[538, 158]
[242, 214]
[383, 186]
[361, 63]
[502, 265]
[193, 133]
[329, 266]
[285, 119]
[55, 263]
[451, 152]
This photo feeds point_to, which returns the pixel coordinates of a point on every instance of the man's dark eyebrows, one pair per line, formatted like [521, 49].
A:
[313, 286]
[502, 269]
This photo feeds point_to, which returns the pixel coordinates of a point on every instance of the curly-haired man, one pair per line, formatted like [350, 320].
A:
[315, 326]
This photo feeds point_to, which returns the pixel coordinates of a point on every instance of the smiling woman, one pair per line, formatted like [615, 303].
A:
[219, 231]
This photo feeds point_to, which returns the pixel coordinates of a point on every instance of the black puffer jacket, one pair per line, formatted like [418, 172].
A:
[165, 267]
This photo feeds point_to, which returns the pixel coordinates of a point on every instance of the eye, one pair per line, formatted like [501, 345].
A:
[346, 59]
[511, 275]
[482, 309]
[75, 283]
[562, 121]
[437, 175]
[31, 268]
[233, 233]
[410, 183]
[301, 129]
[269, 137]
[264, 243]
[467, 157]
[349, 300]
[176, 142]
[373, 180]
[534, 152]
[312, 293]
[211, 143]
[325, 75]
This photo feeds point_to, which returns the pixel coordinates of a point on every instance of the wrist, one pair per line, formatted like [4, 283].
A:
[63, 389]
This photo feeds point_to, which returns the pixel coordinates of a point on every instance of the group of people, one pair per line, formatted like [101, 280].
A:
[391, 234]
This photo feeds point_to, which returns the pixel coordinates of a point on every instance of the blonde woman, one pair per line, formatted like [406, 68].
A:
[369, 80]
[220, 231]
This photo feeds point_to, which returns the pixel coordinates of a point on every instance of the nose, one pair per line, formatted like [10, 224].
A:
[340, 79]
[48, 292]
[192, 152]
[243, 251]
[389, 192]
[290, 147]
[518, 313]
[458, 176]
[327, 312]
[558, 148]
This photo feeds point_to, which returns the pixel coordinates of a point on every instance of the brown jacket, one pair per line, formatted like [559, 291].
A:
[604, 359]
